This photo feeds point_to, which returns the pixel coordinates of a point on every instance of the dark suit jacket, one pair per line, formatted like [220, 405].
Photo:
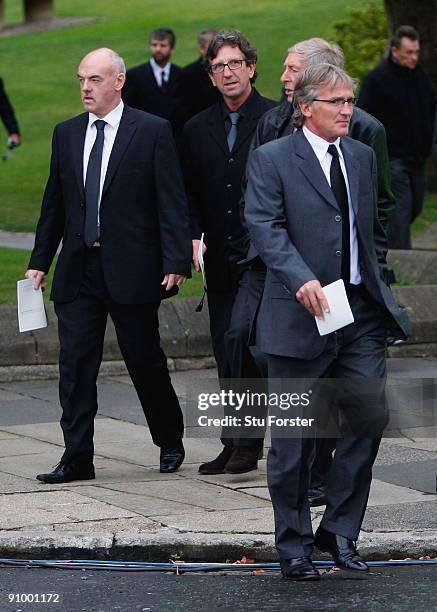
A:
[213, 180]
[196, 91]
[7, 112]
[144, 227]
[141, 91]
[292, 217]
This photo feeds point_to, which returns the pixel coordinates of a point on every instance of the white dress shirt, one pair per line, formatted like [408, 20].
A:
[320, 148]
[157, 71]
[113, 121]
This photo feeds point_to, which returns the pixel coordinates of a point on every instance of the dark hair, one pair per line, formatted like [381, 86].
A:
[163, 34]
[232, 38]
[404, 31]
[205, 35]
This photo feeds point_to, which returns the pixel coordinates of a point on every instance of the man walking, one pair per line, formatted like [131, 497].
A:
[152, 87]
[311, 213]
[8, 117]
[399, 93]
[277, 123]
[196, 91]
[115, 198]
[215, 145]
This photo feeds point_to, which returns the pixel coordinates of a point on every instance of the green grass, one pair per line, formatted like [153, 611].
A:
[13, 264]
[39, 69]
[428, 215]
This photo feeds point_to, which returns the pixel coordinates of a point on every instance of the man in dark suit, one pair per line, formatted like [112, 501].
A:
[312, 215]
[277, 123]
[215, 145]
[8, 117]
[152, 87]
[115, 197]
[196, 90]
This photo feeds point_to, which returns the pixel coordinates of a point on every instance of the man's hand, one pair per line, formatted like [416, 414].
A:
[195, 251]
[39, 278]
[312, 297]
[15, 139]
[173, 279]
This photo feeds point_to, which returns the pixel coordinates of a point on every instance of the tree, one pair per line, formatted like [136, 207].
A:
[422, 15]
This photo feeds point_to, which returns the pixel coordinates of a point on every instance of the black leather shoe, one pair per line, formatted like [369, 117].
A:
[243, 459]
[342, 549]
[299, 568]
[217, 465]
[171, 459]
[316, 497]
[67, 472]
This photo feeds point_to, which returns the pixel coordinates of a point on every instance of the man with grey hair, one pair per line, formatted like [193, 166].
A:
[274, 124]
[363, 126]
[311, 213]
[115, 198]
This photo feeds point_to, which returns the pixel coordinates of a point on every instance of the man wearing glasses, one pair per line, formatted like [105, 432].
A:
[312, 216]
[215, 145]
[277, 123]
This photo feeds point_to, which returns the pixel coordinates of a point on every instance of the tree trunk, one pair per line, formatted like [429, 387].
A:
[38, 10]
[2, 13]
[422, 15]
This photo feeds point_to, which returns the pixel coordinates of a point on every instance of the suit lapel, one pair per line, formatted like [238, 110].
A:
[311, 168]
[217, 128]
[353, 173]
[125, 131]
[150, 77]
[78, 143]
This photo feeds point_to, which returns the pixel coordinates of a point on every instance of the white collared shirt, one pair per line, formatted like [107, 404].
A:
[157, 71]
[320, 148]
[113, 121]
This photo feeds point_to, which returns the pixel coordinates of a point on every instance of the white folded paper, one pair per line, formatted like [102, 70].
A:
[340, 313]
[31, 311]
[201, 260]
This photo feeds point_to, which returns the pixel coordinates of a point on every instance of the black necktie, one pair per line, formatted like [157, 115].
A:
[233, 132]
[164, 82]
[338, 187]
[92, 186]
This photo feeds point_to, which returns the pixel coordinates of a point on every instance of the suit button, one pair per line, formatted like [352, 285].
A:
[231, 160]
[82, 204]
[229, 212]
[229, 237]
[338, 253]
[337, 218]
[78, 235]
[229, 185]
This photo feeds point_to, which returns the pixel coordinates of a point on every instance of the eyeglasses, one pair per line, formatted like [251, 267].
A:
[337, 102]
[233, 64]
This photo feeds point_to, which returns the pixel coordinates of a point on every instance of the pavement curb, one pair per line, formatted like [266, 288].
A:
[10, 374]
[205, 547]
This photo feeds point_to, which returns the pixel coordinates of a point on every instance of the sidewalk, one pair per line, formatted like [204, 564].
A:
[15, 240]
[131, 511]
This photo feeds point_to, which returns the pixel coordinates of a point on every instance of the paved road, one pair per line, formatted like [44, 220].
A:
[386, 589]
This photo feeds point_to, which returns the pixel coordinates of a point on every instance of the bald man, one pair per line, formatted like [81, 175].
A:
[115, 198]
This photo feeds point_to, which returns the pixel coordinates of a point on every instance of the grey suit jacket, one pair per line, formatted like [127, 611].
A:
[292, 217]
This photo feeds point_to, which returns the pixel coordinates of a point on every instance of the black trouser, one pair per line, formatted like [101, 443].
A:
[354, 352]
[408, 184]
[230, 320]
[81, 325]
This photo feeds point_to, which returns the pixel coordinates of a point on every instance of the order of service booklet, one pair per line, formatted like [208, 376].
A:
[31, 311]
[340, 313]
